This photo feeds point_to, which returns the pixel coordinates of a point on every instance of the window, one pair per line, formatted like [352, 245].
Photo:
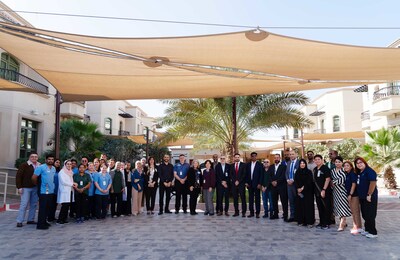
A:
[28, 139]
[108, 126]
[296, 133]
[336, 124]
[8, 63]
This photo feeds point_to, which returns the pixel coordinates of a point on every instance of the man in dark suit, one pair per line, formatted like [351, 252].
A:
[291, 169]
[238, 179]
[222, 171]
[254, 172]
[279, 187]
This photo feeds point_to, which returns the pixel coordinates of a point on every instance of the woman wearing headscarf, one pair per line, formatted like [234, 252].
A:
[303, 181]
[65, 191]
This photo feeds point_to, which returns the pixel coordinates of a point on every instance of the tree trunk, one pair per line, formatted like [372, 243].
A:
[389, 178]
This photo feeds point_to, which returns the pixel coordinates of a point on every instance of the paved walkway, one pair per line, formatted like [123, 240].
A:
[182, 236]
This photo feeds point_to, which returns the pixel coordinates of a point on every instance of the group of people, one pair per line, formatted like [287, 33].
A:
[89, 189]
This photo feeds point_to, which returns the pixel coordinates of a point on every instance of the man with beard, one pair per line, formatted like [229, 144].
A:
[166, 172]
[279, 187]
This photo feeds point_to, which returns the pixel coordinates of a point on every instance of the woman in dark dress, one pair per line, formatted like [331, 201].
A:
[194, 180]
[303, 182]
[151, 184]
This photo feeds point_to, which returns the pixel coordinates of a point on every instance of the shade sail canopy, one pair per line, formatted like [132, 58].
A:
[332, 136]
[233, 64]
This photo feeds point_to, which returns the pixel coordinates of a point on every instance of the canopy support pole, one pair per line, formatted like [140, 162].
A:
[57, 125]
[234, 137]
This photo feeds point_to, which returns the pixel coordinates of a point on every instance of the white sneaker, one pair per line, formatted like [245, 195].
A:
[360, 230]
[364, 233]
[371, 236]
[354, 231]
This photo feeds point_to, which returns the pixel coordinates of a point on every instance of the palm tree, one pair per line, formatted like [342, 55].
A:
[210, 123]
[383, 153]
[78, 138]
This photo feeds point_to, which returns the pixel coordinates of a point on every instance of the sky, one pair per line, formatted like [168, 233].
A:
[263, 13]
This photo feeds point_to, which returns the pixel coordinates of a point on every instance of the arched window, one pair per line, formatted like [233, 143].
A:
[108, 125]
[336, 124]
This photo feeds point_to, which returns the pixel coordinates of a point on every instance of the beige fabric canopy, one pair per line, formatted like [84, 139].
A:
[332, 136]
[234, 64]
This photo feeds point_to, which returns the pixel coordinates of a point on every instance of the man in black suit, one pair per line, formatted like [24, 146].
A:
[222, 170]
[279, 187]
[254, 172]
[238, 179]
[166, 174]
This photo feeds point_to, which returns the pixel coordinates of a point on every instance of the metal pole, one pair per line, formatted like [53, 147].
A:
[234, 138]
[57, 126]
[147, 143]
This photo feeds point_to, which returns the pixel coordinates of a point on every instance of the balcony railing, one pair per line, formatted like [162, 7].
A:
[12, 75]
[386, 92]
[365, 115]
[123, 133]
[319, 131]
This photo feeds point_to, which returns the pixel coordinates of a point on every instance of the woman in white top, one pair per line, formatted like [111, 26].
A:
[65, 189]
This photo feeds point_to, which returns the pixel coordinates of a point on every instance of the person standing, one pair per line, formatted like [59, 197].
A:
[166, 173]
[279, 187]
[102, 182]
[53, 205]
[128, 184]
[117, 188]
[137, 188]
[352, 196]
[254, 172]
[222, 170]
[303, 181]
[65, 191]
[323, 192]
[291, 189]
[91, 213]
[208, 188]
[46, 189]
[310, 163]
[238, 179]
[214, 164]
[332, 156]
[195, 181]
[341, 207]
[27, 189]
[82, 183]
[368, 194]
[266, 190]
[151, 184]
[180, 173]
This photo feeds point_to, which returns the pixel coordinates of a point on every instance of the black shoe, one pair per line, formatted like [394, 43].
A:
[205, 213]
[250, 216]
[290, 220]
[19, 224]
[243, 215]
[176, 212]
[274, 217]
[257, 215]
[44, 227]
[160, 213]
[48, 224]
[211, 214]
[226, 213]
[286, 220]
[168, 212]
[185, 211]
[235, 215]
[265, 216]
[31, 222]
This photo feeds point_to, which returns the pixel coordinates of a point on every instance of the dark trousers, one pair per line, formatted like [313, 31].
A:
[72, 210]
[181, 191]
[368, 212]
[127, 205]
[101, 206]
[92, 207]
[193, 199]
[51, 216]
[62, 216]
[280, 192]
[254, 195]
[116, 198]
[222, 193]
[44, 205]
[150, 198]
[324, 206]
[167, 191]
[217, 205]
[239, 191]
[81, 204]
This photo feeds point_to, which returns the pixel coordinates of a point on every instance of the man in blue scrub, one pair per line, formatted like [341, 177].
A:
[46, 189]
[180, 173]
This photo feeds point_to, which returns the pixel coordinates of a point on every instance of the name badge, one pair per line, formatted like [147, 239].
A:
[180, 173]
[319, 174]
[226, 174]
[204, 181]
[104, 183]
[198, 181]
[81, 183]
[358, 180]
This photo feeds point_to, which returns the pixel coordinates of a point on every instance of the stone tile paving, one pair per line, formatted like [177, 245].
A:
[183, 236]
